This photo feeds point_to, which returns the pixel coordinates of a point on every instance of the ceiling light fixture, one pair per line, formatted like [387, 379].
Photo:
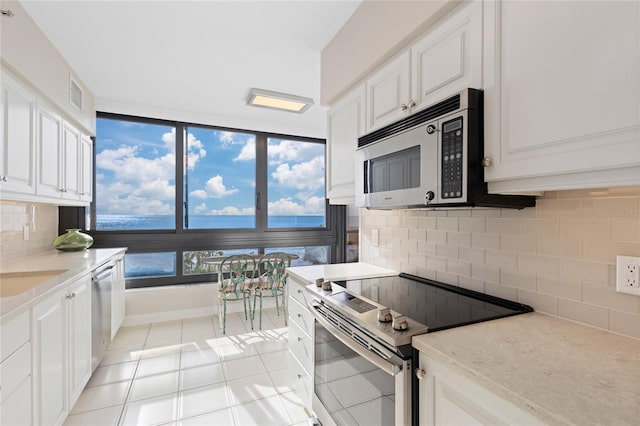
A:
[276, 100]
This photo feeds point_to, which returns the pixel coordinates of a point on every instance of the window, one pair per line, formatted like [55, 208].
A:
[174, 193]
[296, 184]
[135, 175]
[220, 179]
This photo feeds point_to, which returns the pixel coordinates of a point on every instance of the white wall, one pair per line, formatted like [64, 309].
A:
[27, 52]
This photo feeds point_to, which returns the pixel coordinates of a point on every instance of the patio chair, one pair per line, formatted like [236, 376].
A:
[272, 282]
[235, 281]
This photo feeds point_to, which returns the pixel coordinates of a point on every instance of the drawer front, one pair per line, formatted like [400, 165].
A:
[16, 410]
[301, 346]
[14, 334]
[298, 292]
[14, 370]
[301, 382]
[301, 316]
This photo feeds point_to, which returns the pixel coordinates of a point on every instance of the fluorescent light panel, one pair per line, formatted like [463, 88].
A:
[280, 101]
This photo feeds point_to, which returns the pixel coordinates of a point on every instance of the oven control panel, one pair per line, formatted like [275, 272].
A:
[452, 159]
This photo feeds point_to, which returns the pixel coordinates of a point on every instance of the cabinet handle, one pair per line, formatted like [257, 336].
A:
[486, 162]
[404, 107]
[299, 315]
[411, 104]
[299, 339]
[3, 178]
[299, 376]
[71, 296]
[299, 291]
[420, 373]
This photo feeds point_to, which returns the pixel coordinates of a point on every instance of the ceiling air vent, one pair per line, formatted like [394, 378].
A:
[75, 94]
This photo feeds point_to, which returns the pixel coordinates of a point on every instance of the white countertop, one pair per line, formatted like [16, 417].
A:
[339, 272]
[559, 371]
[77, 263]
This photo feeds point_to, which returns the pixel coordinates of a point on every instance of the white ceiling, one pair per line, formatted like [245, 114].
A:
[196, 60]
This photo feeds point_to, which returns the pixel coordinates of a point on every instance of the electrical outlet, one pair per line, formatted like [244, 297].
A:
[25, 233]
[628, 275]
[374, 238]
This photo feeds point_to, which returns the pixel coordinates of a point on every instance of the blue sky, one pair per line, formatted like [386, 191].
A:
[135, 172]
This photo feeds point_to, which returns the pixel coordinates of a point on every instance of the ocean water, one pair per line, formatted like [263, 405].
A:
[132, 222]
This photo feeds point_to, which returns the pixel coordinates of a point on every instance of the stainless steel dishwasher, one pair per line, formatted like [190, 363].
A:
[100, 312]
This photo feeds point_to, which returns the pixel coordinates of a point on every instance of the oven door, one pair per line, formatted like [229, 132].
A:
[354, 385]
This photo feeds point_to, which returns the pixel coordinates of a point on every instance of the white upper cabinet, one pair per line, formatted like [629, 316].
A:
[17, 129]
[388, 93]
[44, 158]
[345, 123]
[562, 94]
[448, 58]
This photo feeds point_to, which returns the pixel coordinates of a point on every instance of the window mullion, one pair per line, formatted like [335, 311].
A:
[180, 177]
[261, 182]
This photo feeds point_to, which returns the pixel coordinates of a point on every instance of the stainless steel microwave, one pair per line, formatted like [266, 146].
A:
[431, 159]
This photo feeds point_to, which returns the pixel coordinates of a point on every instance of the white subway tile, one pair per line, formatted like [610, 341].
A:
[584, 313]
[459, 268]
[515, 279]
[563, 288]
[471, 284]
[584, 229]
[533, 264]
[560, 247]
[447, 251]
[501, 259]
[590, 272]
[558, 208]
[472, 224]
[612, 207]
[608, 297]
[502, 291]
[427, 223]
[472, 255]
[485, 212]
[459, 239]
[447, 277]
[624, 323]
[539, 302]
[438, 237]
[606, 252]
[436, 264]
[426, 249]
[502, 226]
[485, 241]
[539, 227]
[485, 273]
[410, 222]
[518, 243]
[447, 223]
[625, 229]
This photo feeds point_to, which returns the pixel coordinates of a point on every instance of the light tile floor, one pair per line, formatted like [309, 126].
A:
[188, 373]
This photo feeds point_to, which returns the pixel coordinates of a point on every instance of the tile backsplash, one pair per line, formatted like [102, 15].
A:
[42, 220]
[558, 257]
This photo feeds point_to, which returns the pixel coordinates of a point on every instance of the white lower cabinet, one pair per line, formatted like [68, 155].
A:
[15, 371]
[61, 333]
[447, 398]
[301, 326]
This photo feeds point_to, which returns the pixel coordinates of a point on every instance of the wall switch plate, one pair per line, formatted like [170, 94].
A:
[25, 232]
[628, 275]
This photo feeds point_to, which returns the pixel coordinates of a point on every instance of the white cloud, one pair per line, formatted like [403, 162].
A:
[308, 175]
[288, 207]
[232, 211]
[281, 151]
[248, 151]
[201, 208]
[195, 147]
[214, 188]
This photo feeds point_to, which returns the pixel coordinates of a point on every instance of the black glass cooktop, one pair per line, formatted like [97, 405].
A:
[437, 305]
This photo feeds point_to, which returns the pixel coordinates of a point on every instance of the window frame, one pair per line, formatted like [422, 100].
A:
[179, 240]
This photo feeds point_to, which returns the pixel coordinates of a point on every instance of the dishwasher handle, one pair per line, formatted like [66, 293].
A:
[102, 273]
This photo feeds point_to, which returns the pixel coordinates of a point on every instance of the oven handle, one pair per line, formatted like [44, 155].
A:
[385, 366]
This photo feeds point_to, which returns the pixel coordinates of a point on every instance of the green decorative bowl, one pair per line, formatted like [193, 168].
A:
[73, 240]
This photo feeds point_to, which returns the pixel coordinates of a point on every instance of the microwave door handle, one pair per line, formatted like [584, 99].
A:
[367, 183]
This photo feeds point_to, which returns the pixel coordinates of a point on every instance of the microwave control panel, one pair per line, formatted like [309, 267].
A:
[452, 159]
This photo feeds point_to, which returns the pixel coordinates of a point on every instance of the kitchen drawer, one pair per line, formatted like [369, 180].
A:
[16, 410]
[14, 334]
[301, 345]
[14, 370]
[301, 382]
[301, 316]
[298, 292]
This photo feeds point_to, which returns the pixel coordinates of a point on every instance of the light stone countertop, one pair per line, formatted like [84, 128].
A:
[339, 272]
[560, 371]
[77, 263]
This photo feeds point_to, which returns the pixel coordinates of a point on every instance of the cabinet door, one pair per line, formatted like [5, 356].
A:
[71, 162]
[49, 153]
[17, 169]
[79, 332]
[50, 360]
[86, 165]
[449, 58]
[345, 122]
[388, 93]
[562, 94]
[447, 398]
